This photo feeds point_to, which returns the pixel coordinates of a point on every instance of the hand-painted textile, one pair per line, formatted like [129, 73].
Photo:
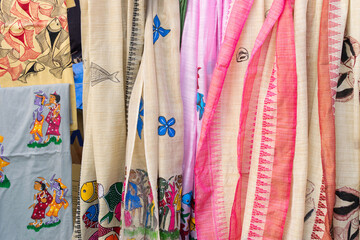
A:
[103, 159]
[199, 51]
[35, 46]
[153, 183]
[35, 162]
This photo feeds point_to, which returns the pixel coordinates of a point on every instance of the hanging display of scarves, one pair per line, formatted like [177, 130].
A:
[153, 183]
[195, 76]
[209, 166]
[203, 119]
[103, 159]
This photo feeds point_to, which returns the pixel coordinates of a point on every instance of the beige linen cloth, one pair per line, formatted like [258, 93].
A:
[102, 170]
[346, 211]
[148, 203]
[230, 104]
[295, 216]
[152, 197]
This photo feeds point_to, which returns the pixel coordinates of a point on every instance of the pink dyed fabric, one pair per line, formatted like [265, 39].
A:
[203, 31]
[278, 130]
[208, 171]
[210, 220]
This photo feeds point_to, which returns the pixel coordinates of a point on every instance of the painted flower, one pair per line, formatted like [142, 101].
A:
[200, 105]
[166, 126]
[158, 30]
[140, 122]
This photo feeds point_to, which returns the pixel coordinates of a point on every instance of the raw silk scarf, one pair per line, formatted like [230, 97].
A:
[153, 184]
[35, 46]
[329, 21]
[315, 203]
[35, 162]
[283, 131]
[103, 159]
[345, 56]
[295, 217]
[200, 46]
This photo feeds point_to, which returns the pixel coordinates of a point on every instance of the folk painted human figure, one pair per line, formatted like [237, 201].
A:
[42, 199]
[38, 118]
[53, 118]
[58, 201]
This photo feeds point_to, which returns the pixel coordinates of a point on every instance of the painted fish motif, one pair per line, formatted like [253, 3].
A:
[91, 216]
[31, 68]
[89, 191]
[112, 199]
[99, 74]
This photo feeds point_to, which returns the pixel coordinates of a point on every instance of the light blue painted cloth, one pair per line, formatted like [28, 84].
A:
[35, 163]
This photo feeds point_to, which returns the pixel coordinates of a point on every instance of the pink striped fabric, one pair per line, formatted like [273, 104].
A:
[210, 217]
[278, 130]
[200, 46]
[326, 101]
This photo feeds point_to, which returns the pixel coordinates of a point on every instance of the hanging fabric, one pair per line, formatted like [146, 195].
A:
[202, 36]
[208, 177]
[103, 160]
[183, 8]
[135, 38]
[274, 167]
[35, 162]
[153, 185]
[295, 216]
[344, 50]
[35, 46]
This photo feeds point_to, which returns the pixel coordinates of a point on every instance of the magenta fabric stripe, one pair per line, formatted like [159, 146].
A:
[248, 115]
[210, 218]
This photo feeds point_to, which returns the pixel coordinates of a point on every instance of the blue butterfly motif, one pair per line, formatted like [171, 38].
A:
[200, 105]
[157, 30]
[166, 126]
[140, 122]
